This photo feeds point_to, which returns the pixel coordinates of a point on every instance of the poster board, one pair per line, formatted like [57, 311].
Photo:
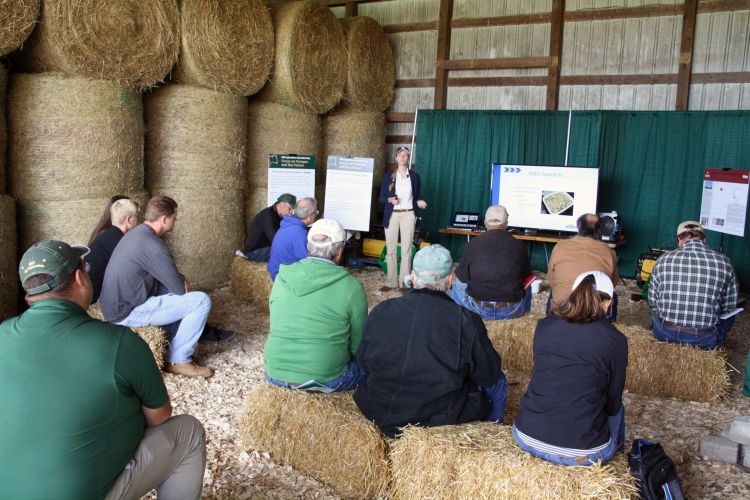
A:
[349, 191]
[290, 174]
[724, 200]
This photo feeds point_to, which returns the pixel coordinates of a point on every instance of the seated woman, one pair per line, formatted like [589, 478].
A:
[572, 412]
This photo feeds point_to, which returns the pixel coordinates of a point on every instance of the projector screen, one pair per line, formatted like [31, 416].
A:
[547, 198]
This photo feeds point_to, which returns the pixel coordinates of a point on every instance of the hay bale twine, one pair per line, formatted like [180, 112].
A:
[276, 129]
[353, 133]
[482, 460]
[132, 42]
[3, 125]
[8, 261]
[371, 72]
[310, 66]
[17, 20]
[227, 45]
[195, 153]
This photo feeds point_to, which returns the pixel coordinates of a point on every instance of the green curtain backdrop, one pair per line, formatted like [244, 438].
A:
[651, 167]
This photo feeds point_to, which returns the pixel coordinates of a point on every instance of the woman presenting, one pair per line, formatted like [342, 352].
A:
[400, 193]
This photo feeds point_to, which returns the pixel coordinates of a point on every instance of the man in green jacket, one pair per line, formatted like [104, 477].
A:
[317, 313]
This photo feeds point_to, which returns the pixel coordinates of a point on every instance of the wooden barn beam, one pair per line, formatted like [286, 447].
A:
[686, 54]
[555, 53]
[351, 9]
[499, 63]
[443, 54]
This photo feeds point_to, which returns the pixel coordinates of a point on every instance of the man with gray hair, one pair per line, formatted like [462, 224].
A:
[427, 360]
[489, 277]
[317, 312]
[290, 242]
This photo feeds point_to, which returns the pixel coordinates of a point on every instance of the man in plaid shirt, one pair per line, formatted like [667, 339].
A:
[690, 289]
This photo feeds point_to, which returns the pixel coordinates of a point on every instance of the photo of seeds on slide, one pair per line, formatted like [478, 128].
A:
[557, 202]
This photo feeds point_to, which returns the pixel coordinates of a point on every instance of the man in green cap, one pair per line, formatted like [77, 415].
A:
[263, 228]
[428, 360]
[85, 412]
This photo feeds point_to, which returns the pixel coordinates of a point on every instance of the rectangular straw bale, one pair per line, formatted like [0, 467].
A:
[155, 336]
[655, 369]
[323, 435]
[250, 281]
[482, 460]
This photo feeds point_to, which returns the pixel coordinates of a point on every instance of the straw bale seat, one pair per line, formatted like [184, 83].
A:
[481, 460]
[250, 281]
[324, 435]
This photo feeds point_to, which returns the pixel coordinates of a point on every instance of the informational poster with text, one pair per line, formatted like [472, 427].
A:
[290, 174]
[349, 191]
[724, 200]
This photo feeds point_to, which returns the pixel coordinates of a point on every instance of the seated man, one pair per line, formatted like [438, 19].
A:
[428, 361]
[691, 287]
[584, 252]
[263, 228]
[85, 412]
[290, 243]
[317, 313]
[491, 272]
[142, 287]
[125, 216]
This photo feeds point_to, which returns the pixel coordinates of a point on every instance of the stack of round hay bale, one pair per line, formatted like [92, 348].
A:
[72, 144]
[17, 19]
[131, 42]
[8, 269]
[195, 145]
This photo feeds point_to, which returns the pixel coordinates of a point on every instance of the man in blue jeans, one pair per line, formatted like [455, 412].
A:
[142, 287]
[489, 277]
[691, 288]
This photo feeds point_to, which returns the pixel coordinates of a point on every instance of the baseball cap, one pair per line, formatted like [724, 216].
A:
[496, 214]
[602, 282]
[689, 225]
[287, 198]
[56, 258]
[326, 227]
[432, 263]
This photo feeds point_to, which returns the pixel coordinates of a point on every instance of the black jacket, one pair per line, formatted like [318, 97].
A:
[101, 250]
[262, 229]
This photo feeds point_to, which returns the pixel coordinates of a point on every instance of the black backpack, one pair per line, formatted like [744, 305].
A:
[654, 471]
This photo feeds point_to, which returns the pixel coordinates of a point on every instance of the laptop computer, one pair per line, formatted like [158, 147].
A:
[465, 220]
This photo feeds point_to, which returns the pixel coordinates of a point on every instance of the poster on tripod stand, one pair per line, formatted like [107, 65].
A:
[724, 200]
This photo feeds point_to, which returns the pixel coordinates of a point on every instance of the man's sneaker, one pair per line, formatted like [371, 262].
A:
[240, 253]
[213, 334]
[189, 370]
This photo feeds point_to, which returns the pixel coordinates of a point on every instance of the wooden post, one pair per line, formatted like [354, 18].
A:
[443, 54]
[686, 54]
[351, 8]
[555, 54]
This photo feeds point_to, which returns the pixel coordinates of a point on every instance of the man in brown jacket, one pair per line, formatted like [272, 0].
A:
[584, 252]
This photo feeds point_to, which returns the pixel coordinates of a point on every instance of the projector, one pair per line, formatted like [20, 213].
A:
[610, 224]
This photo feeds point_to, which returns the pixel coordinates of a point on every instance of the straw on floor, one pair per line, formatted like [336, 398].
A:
[481, 460]
[324, 435]
[352, 133]
[154, 336]
[8, 262]
[227, 45]
[195, 153]
[250, 281]
[132, 42]
[17, 20]
[655, 368]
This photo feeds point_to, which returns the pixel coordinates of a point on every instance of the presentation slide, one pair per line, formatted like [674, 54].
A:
[724, 200]
[349, 191]
[290, 174]
[542, 197]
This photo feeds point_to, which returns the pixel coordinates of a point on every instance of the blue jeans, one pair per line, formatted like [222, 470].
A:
[708, 340]
[611, 313]
[182, 316]
[616, 425]
[262, 254]
[347, 381]
[463, 299]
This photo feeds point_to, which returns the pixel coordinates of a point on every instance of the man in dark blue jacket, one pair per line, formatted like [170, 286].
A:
[290, 243]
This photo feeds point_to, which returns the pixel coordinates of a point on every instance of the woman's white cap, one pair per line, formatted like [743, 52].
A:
[603, 283]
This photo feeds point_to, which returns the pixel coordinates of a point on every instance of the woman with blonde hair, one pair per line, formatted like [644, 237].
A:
[572, 412]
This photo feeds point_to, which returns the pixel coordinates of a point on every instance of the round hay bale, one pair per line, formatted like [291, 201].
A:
[371, 72]
[310, 69]
[129, 41]
[227, 45]
[8, 262]
[73, 138]
[352, 133]
[17, 20]
[276, 129]
[195, 145]
[3, 126]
